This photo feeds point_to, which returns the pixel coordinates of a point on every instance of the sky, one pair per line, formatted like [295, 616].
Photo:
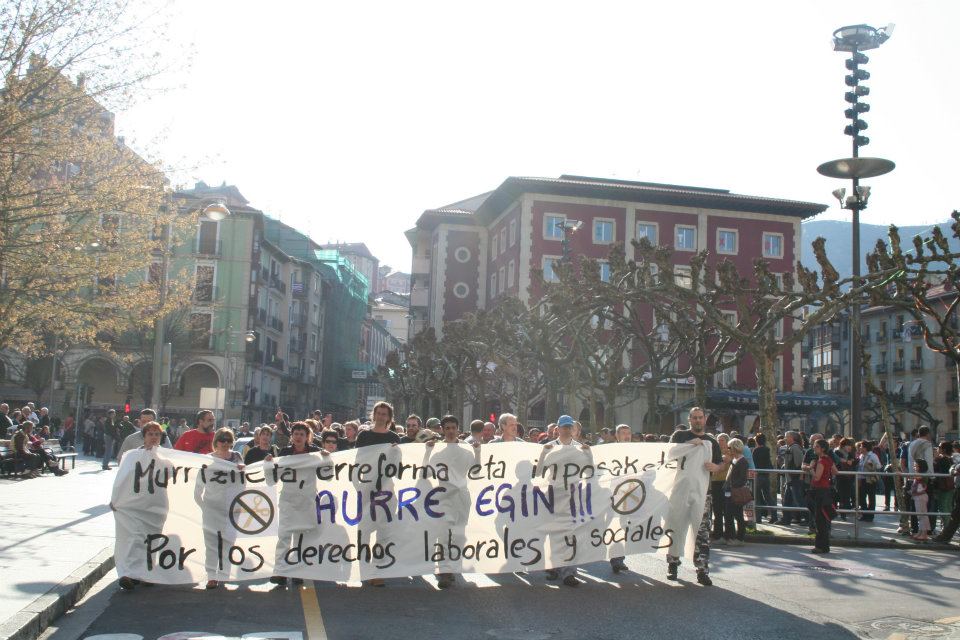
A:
[347, 120]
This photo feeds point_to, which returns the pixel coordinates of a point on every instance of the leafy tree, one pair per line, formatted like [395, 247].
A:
[80, 212]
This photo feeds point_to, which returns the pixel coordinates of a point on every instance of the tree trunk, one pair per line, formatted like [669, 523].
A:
[767, 398]
[700, 389]
[593, 411]
[650, 422]
[609, 402]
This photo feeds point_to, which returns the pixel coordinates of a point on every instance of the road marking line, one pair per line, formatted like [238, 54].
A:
[951, 620]
[312, 617]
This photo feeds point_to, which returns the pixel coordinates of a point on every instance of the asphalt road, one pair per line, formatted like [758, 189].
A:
[760, 591]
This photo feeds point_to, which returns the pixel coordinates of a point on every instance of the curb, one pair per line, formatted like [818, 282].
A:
[32, 620]
[847, 542]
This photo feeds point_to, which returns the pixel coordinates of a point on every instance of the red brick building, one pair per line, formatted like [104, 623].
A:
[469, 253]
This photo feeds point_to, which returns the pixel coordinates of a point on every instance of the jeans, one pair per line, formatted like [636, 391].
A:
[793, 497]
[107, 451]
[868, 499]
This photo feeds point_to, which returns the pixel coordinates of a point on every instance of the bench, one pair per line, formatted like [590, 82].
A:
[53, 446]
[10, 464]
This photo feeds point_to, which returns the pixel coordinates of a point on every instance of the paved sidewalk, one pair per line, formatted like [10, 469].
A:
[57, 540]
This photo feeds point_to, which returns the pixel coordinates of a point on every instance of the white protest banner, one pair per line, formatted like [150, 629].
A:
[389, 511]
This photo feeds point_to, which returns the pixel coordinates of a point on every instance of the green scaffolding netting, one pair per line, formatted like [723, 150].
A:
[345, 301]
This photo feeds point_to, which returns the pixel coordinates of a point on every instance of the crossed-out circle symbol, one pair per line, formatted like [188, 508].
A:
[254, 508]
[628, 496]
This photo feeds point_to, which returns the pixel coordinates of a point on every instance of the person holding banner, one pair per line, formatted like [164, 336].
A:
[152, 508]
[215, 499]
[623, 434]
[697, 420]
[297, 510]
[564, 429]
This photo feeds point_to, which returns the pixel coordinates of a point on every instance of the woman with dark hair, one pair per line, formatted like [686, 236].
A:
[736, 482]
[297, 511]
[824, 470]
[763, 460]
[261, 446]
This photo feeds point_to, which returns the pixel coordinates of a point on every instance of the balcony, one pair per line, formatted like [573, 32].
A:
[297, 346]
[297, 321]
[880, 368]
[274, 363]
[898, 365]
[298, 289]
[881, 336]
[898, 334]
[278, 284]
[916, 365]
[275, 323]
[207, 247]
[262, 315]
[205, 293]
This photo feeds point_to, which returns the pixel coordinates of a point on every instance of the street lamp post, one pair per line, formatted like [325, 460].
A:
[248, 337]
[214, 211]
[855, 39]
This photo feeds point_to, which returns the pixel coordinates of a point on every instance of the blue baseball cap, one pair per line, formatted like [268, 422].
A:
[565, 421]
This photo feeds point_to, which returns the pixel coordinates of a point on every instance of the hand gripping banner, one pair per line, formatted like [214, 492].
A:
[390, 511]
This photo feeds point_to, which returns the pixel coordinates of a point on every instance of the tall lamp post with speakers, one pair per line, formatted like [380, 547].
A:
[855, 39]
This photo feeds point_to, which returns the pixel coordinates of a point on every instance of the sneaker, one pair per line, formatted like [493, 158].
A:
[552, 574]
[704, 579]
[774, 521]
[279, 580]
[672, 570]
[571, 581]
[127, 584]
[212, 584]
[376, 582]
[618, 565]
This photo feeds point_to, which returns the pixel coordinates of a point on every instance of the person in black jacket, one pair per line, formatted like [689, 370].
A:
[765, 494]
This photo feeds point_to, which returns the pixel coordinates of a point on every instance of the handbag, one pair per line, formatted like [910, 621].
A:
[741, 495]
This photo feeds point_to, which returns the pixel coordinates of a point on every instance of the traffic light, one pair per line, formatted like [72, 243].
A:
[857, 75]
[126, 405]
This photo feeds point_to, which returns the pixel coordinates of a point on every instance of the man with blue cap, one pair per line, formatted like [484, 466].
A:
[567, 575]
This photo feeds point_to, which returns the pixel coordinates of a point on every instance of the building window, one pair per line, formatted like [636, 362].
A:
[605, 271]
[200, 325]
[511, 273]
[686, 238]
[726, 378]
[493, 285]
[778, 373]
[682, 276]
[503, 240]
[727, 241]
[493, 248]
[502, 282]
[462, 254]
[603, 231]
[203, 284]
[778, 330]
[647, 230]
[548, 273]
[772, 245]
[513, 232]
[553, 226]
[461, 290]
[730, 317]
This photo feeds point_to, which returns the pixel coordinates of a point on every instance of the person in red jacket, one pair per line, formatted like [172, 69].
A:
[200, 438]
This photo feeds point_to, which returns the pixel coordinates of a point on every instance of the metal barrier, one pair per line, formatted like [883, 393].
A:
[856, 511]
